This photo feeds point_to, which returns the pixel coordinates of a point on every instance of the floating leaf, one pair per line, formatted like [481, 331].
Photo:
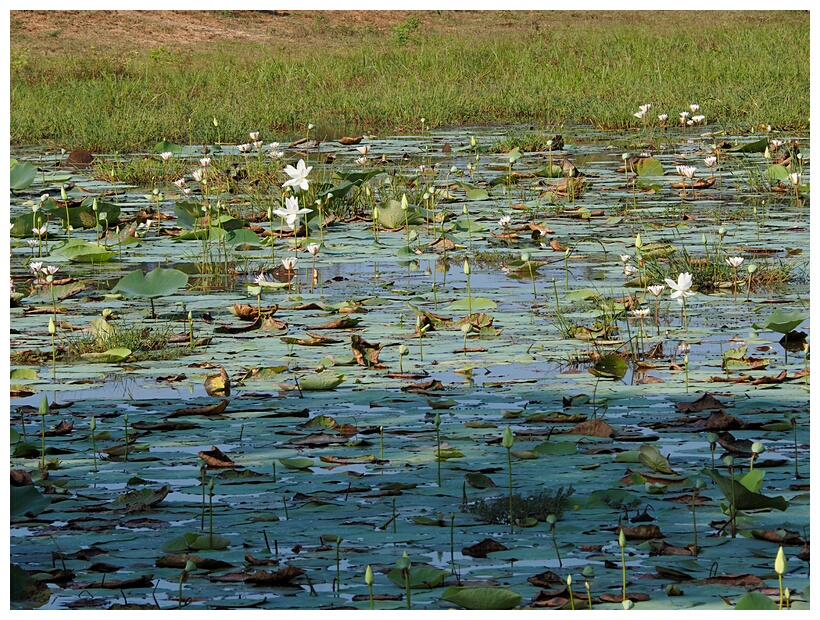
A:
[648, 167]
[297, 463]
[482, 597]
[156, 283]
[27, 500]
[610, 367]
[782, 322]
[755, 601]
[321, 381]
[111, 356]
[421, 577]
[652, 458]
[22, 175]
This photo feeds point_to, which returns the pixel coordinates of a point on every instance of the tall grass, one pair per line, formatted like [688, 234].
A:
[744, 71]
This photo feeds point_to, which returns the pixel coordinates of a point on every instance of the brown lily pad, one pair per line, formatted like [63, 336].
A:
[591, 428]
[707, 401]
[282, 577]
[216, 458]
[481, 549]
[218, 385]
[645, 531]
[215, 409]
[366, 353]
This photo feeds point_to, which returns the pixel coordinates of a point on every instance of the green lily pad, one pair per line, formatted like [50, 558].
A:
[156, 283]
[321, 381]
[421, 577]
[482, 597]
[610, 367]
[111, 356]
[782, 322]
[27, 500]
[297, 463]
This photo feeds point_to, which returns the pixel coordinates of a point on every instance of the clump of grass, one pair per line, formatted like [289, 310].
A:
[526, 142]
[145, 343]
[540, 506]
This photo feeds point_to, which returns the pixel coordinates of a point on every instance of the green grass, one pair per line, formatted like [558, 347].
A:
[735, 66]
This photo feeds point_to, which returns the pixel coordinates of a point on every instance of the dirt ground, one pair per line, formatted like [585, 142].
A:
[73, 31]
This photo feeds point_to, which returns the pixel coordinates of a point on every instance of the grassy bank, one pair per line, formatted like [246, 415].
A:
[743, 69]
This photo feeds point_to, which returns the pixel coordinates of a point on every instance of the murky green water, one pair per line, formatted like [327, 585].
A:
[526, 366]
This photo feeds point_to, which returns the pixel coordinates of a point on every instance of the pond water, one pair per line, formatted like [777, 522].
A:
[599, 381]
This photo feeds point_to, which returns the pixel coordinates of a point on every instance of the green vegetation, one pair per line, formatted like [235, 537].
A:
[546, 69]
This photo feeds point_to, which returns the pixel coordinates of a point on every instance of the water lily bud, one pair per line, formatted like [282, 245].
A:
[453, 169]
[44, 405]
[375, 214]
[52, 329]
[94, 204]
[780, 562]
[703, 239]
[216, 122]
[728, 460]
[758, 447]
[686, 359]
[466, 267]
[752, 268]
[211, 485]
[766, 153]
[472, 141]
[464, 210]
[569, 580]
[621, 538]
[63, 194]
[404, 202]
[525, 257]
[625, 156]
[189, 566]
[368, 575]
[437, 420]
[466, 328]
[711, 437]
[310, 126]
[721, 231]
[190, 316]
[93, 424]
[422, 122]
[549, 142]
[700, 483]
[638, 242]
[403, 350]
[507, 440]
[627, 604]
[551, 519]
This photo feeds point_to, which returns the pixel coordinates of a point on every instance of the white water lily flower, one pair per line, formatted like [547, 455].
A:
[710, 161]
[205, 162]
[313, 248]
[776, 143]
[686, 171]
[684, 116]
[254, 136]
[298, 175]
[641, 313]
[51, 269]
[630, 271]
[361, 160]
[32, 243]
[698, 118]
[36, 267]
[645, 107]
[166, 155]
[656, 289]
[640, 114]
[257, 144]
[364, 150]
[289, 263]
[260, 279]
[682, 288]
[794, 177]
[274, 146]
[694, 107]
[505, 221]
[291, 212]
[180, 183]
[244, 148]
[625, 258]
[40, 231]
[663, 117]
[734, 261]
[198, 174]
[276, 154]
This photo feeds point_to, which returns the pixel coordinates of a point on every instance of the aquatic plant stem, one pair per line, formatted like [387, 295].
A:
[438, 448]
[507, 442]
[622, 545]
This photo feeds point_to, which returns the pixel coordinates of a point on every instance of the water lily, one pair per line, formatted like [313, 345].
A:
[244, 148]
[257, 144]
[682, 288]
[625, 258]
[734, 261]
[794, 178]
[364, 150]
[504, 221]
[641, 313]
[36, 267]
[40, 231]
[276, 154]
[694, 107]
[260, 279]
[776, 143]
[254, 136]
[313, 248]
[198, 175]
[656, 289]
[291, 212]
[663, 117]
[205, 162]
[180, 183]
[361, 160]
[698, 118]
[686, 171]
[640, 114]
[710, 161]
[166, 155]
[289, 263]
[274, 146]
[298, 175]
[630, 271]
